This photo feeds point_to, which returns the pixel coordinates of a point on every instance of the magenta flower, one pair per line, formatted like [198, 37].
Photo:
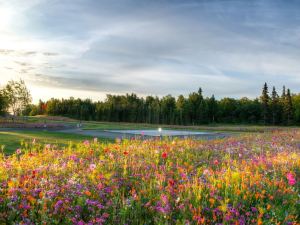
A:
[291, 179]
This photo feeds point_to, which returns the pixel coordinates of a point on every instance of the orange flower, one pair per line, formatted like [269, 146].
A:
[212, 201]
[259, 221]
[87, 193]
[31, 199]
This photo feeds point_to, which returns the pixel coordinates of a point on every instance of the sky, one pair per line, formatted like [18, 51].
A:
[89, 48]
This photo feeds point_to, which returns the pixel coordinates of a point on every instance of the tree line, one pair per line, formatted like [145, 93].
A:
[195, 109]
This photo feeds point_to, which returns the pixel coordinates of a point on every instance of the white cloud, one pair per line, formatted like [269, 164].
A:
[157, 48]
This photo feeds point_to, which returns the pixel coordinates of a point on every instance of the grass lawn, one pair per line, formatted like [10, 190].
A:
[95, 125]
[11, 140]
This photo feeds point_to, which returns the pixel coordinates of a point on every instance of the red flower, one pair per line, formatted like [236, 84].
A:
[125, 153]
[164, 155]
[171, 182]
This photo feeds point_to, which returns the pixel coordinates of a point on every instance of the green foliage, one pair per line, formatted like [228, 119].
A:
[288, 108]
[296, 103]
[275, 107]
[3, 103]
[195, 109]
[265, 101]
[17, 95]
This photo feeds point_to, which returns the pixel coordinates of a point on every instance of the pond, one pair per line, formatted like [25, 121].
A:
[158, 133]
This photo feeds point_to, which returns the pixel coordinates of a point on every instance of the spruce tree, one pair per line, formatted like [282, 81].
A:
[275, 107]
[283, 106]
[212, 108]
[265, 99]
[283, 93]
[288, 107]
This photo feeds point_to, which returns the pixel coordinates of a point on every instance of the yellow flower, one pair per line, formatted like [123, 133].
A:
[223, 206]
[235, 177]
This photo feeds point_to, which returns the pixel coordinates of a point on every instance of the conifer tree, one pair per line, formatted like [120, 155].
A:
[265, 99]
[212, 108]
[288, 107]
[283, 106]
[283, 93]
[275, 107]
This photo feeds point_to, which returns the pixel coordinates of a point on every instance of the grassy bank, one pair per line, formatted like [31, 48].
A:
[11, 140]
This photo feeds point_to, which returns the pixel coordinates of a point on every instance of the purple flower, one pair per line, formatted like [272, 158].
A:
[58, 205]
[163, 210]
[253, 209]
[91, 202]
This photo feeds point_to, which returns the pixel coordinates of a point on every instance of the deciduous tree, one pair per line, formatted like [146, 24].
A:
[17, 95]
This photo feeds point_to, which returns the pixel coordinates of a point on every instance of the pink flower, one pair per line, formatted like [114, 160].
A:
[216, 162]
[206, 172]
[291, 179]
[18, 151]
[164, 199]
[86, 143]
[105, 215]
[92, 166]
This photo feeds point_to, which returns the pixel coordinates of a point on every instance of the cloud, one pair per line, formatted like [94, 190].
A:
[101, 84]
[153, 47]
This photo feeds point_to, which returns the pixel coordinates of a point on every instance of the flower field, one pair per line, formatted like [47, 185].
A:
[252, 179]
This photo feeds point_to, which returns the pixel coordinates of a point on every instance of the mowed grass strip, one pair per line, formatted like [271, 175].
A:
[12, 140]
[102, 125]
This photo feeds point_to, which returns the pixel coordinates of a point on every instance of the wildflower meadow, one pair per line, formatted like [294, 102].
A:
[247, 179]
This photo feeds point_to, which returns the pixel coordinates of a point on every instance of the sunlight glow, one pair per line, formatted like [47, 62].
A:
[6, 17]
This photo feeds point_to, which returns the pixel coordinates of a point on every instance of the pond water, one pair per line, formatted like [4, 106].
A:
[157, 133]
